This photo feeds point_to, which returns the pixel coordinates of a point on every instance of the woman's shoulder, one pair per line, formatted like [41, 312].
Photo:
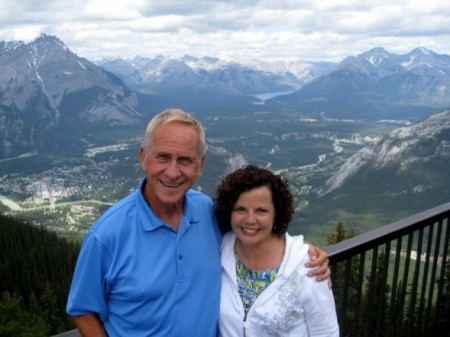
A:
[295, 256]
[296, 248]
[228, 239]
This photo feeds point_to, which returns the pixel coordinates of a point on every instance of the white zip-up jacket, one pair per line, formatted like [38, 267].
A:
[292, 305]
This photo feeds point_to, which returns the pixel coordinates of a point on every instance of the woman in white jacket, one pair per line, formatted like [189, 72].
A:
[265, 287]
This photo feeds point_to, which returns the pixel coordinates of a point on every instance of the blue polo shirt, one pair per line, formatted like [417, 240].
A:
[143, 278]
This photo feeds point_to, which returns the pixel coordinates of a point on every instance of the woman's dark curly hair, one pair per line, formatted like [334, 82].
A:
[248, 178]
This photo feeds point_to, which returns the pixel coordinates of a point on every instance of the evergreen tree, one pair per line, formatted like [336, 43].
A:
[36, 269]
[340, 234]
[16, 321]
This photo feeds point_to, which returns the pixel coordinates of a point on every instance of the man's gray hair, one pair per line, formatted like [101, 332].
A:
[175, 115]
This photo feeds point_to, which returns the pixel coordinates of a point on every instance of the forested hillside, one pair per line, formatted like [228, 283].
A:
[35, 272]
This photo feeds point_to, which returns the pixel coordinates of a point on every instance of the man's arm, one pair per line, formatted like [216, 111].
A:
[89, 326]
[319, 261]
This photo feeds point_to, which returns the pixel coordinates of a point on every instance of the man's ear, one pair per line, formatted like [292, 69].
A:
[201, 165]
[142, 155]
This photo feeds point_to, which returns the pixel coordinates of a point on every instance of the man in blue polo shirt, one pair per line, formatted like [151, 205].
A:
[150, 265]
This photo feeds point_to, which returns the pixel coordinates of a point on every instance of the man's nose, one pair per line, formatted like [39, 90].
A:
[173, 169]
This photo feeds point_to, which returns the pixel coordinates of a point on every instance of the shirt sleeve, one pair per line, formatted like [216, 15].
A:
[320, 309]
[90, 288]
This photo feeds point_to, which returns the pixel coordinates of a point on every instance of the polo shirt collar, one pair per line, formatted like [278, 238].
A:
[150, 221]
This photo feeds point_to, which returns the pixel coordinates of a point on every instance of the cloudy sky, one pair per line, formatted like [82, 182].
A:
[271, 30]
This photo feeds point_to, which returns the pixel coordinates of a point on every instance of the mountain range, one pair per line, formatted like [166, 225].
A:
[50, 98]
[46, 89]
[372, 85]
[376, 84]
[214, 76]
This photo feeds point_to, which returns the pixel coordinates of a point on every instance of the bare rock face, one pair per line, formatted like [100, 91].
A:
[44, 86]
[401, 148]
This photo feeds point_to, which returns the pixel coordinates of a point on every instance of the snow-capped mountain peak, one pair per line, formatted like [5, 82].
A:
[376, 56]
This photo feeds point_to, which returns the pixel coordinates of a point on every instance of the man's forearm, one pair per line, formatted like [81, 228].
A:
[89, 326]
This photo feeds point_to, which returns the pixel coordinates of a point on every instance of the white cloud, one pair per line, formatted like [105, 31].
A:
[267, 29]
[111, 10]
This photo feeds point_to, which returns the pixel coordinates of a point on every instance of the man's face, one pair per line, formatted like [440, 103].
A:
[171, 164]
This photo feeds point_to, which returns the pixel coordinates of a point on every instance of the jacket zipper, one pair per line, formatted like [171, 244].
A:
[244, 322]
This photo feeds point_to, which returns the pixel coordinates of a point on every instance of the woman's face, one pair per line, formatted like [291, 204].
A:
[253, 216]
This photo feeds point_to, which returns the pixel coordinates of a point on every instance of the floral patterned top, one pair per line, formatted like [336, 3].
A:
[251, 283]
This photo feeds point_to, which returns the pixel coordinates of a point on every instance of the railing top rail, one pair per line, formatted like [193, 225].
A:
[388, 232]
[71, 333]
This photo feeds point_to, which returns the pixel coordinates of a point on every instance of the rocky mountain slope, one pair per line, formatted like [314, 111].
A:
[404, 173]
[402, 149]
[44, 86]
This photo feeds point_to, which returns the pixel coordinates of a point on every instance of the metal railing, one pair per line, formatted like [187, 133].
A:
[395, 280]
[70, 333]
